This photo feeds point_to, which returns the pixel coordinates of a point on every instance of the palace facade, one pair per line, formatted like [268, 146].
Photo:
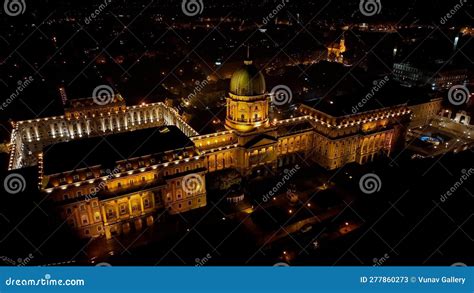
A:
[115, 168]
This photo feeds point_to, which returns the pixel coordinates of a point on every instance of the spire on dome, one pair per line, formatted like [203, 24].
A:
[248, 61]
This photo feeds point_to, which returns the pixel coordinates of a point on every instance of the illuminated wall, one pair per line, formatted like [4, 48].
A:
[31, 136]
[98, 202]
[246, 113]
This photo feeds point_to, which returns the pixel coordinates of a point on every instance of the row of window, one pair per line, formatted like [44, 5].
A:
[124, 208]
[189, 203]
[87, 231]
[89, 175]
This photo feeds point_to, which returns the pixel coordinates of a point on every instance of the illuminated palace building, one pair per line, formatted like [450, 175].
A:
[114, 168]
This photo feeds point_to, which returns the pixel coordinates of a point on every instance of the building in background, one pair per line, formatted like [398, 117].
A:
[438, 78]
[336, 51]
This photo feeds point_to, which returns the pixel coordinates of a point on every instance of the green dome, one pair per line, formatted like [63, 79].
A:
[247, 81]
